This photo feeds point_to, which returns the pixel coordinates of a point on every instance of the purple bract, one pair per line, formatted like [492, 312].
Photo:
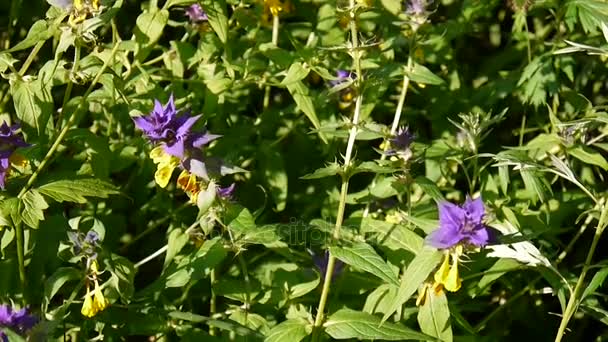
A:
[460, 224]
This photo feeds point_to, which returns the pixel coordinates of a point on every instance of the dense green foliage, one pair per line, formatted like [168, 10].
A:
[346, 126]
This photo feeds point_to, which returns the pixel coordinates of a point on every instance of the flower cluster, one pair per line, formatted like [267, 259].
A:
[321, 262]
[10, 140]
[417, 11]
[399, 145]
[196, 14]
[460, 227]
[180, 145]
[85, 245]
[19, 321]
[94, 302]
[79, 9]
[342, 83]
[276, 6]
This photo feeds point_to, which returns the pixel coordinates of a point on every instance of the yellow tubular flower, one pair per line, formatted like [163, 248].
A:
[447, 276]
[95, 4]
[99, 301]
[443, 271]
[78, 4]
[453, 282]
[166, 164]
[275, 6]
[188, 182]
[88, 309]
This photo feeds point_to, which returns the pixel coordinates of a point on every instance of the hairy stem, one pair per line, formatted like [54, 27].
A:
[68, 89]
[574, 300]
[275, 42]
[47, 158]
[356, 54]
[21, 254]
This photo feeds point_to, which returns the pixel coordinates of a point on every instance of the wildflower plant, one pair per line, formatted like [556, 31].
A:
[286, 170]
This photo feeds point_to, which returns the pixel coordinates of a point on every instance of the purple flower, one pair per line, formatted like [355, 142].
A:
[226, 193]
[196, 14]
[416, 7]
[321, 264]
[10, 140]
[164, 125]
[460, 224]
[342, 77]
[85, 245]
[20, 321]
[400, 143]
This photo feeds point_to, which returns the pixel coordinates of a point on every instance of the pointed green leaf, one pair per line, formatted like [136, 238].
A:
[290, 330]
[150, 26]
[421, 74]
[76, 190]
[416, 273]
[304, 101]
[218, 18]
[33, 106]
[33, 205]
[351, 324]
[587, 155]
[364, 257]
[434, 316]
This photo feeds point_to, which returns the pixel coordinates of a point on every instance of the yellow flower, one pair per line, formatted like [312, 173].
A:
[447, 276]
[188, 182]
[425, 290]
[274, 6]
[166, 164]
[99, 301]
[88, 309]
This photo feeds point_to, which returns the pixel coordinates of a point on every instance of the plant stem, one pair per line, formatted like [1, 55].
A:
[47, 158]
[394, 125]
[573, 302]
[212, 301]
[275, 30]
[30, 58]
[65, 129]
[356, 54]
[21, 254]
[68, 89]
[275, 42]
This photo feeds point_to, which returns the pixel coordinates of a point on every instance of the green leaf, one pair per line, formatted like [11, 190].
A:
[175, 243]
[240, 220]
[296, 72]
[589, 156]
[76, 190]
[430, 188]
[290, 330]
[330, 170]
[393, 236]
[304, 101]
[33, 205]
[351, 324]
[416, 273]
[421, 74]
[275, 175]
[373, 167]
[33, 106]
[434, 316]
[58, 279]
[218, 18]
[364, 257]
[194, 267]
[596, 281]
[12, 336]
[6, 61]
[40, 31]
[230, 326]
[149, 26]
